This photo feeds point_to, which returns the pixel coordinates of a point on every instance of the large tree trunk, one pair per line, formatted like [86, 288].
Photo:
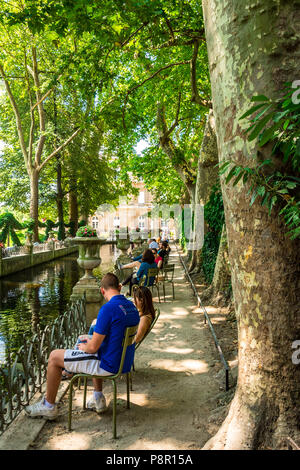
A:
[207, 176]
[34, 202]
[73, 205]
[254, 48]
[59, 202]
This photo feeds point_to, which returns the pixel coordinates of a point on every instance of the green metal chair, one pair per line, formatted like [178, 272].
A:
[143, 339]
[153, 272]
[166, 260]
[150, 328]
[129, 339]
[145, 280]
[168, 277]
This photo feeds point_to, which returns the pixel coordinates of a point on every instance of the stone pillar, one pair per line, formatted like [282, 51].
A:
[124, 258]
[94, 298]
[29, 247]
[89, 258]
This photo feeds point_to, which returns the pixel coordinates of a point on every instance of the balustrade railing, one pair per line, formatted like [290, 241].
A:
[23, 373]
[11, 251]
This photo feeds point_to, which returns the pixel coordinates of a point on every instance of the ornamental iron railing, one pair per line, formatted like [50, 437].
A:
[23, 373]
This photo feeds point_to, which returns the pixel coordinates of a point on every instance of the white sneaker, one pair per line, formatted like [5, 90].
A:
[39, 409]
[99, 405]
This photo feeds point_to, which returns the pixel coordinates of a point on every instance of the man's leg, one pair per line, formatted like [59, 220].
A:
[55, 365]
[97, 385]
[46, 407]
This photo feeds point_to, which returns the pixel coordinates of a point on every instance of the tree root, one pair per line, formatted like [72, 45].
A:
[252, 428]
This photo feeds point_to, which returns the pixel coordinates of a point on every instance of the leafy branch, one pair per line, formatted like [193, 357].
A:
[276, 122]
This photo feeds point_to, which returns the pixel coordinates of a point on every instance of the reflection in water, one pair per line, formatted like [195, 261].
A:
[38, 295]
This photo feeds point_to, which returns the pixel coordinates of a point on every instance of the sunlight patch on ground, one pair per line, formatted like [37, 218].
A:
[180, 311]
[178, 350]
[185, 365]
[137, 398]
[73, 441]
[162, 444]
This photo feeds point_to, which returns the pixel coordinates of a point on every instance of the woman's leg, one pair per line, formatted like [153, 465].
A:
[127, 280]
[134, 264]
[133, 282]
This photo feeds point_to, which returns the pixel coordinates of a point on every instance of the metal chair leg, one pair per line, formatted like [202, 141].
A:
[115, 411]
[84, 393]
[70, 403]
[130, 378]
[158, 293]
[128, 389]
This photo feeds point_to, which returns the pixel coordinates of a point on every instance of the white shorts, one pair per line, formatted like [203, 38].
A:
[77, 361]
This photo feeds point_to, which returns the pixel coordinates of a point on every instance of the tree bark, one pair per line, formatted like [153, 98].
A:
[207, 176]
[253, 49]
[59, 202]
[73, 204]
[34, 201]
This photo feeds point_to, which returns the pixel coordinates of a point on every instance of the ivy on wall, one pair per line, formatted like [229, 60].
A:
[214, 218]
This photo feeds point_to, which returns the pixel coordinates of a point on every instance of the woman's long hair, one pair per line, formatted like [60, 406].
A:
[143, 294]
[148, 257]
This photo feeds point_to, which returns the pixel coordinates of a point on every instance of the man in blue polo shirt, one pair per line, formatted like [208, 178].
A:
[99, 355]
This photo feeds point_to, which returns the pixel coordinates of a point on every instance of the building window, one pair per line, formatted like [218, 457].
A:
[142, 221]
[141, 198]
[95, 222]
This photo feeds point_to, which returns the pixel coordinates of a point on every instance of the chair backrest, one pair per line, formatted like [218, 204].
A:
[150, 328]
[152, 272]
[169, 270]
[166, 260]
[129, 339]
[141, 281]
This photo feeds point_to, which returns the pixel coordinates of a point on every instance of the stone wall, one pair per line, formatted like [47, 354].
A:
[18, 263]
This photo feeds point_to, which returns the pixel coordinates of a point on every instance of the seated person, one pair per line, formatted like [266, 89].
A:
[163, 250]
[147, 262]
[153, 244]
[157, 258]
[136, 262]
[98, 356]
[143, 300]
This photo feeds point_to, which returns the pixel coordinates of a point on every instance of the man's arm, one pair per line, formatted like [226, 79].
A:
[93, 344]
